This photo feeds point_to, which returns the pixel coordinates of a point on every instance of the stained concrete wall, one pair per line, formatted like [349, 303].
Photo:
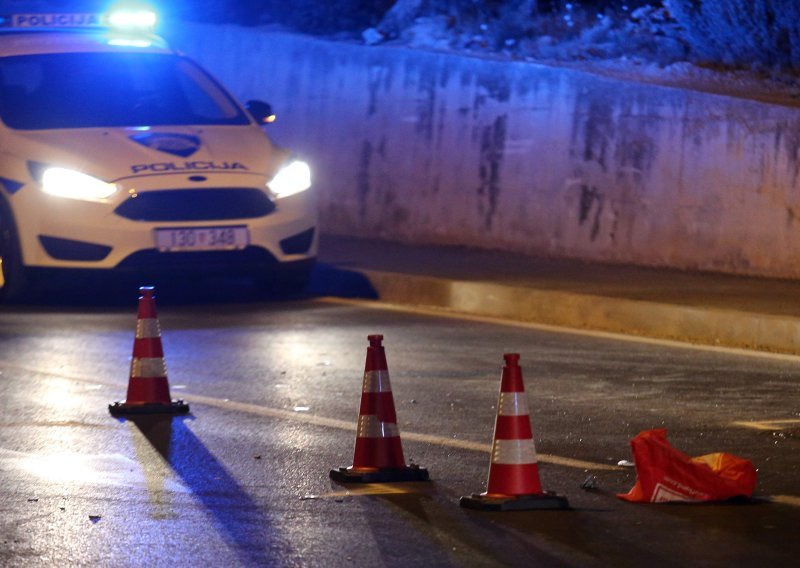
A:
[432, 148]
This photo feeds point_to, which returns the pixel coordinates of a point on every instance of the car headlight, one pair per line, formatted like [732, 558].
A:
[75, 185]
[291, 179]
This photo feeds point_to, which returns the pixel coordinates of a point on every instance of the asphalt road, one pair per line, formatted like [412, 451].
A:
[274, 389]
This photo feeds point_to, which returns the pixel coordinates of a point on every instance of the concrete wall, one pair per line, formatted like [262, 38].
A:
[432, 148]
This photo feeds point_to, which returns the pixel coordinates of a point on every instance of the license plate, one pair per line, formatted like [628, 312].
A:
[202, 238]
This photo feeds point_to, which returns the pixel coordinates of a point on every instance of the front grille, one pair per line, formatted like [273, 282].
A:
[197, 205]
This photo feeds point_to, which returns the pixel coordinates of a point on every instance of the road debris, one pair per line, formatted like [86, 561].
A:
[589, 483]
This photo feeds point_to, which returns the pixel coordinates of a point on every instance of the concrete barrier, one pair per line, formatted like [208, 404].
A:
[427, 147]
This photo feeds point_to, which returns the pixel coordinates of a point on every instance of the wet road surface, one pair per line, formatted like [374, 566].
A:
[274, 389]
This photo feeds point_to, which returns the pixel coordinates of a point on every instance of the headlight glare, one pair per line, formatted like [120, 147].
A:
[63, 182]
[291, 179]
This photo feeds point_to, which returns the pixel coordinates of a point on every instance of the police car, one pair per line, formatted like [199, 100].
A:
[118, 153]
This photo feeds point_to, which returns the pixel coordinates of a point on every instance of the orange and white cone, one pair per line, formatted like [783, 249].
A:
[378, 455]
[148, 388]
[514, 470]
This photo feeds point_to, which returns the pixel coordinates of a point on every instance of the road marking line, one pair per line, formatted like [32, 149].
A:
[445, 313]
[368, 489]
[768, 424]
[786, 500]
[351, 426]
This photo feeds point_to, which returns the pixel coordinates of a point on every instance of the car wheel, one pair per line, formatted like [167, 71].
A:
[12, 271]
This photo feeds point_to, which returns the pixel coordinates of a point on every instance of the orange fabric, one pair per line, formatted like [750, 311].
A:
[664, 474]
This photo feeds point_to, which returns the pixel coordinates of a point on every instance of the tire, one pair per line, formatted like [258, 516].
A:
[15, 276]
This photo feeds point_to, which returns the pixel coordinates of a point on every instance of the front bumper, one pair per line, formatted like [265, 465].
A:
[57, 232]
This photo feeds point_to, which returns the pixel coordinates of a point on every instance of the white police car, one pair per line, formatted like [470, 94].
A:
[117, 153]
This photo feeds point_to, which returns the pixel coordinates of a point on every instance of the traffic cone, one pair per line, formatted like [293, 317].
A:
[378, 455]
[148, 389]
[513, 471]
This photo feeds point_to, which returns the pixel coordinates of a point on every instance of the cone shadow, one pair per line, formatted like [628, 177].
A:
[238, 519]
[508, 544]
[455, 531]
[414, 503]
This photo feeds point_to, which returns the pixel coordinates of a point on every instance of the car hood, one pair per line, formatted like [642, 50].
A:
[113, 154]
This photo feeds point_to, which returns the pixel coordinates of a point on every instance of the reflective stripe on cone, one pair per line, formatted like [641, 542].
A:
[148, 328]
[148, 368]
[370, 426]
[513, 452]
[376, 381]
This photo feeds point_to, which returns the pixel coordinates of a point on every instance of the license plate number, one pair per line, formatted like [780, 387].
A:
[202, 238]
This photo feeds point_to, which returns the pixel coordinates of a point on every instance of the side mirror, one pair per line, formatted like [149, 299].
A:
[260, 111]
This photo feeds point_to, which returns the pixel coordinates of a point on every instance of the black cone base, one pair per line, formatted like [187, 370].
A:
[545, 501]
[123, 409]
[382, 475]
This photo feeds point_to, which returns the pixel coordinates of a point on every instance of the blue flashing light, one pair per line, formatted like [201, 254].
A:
[132, 19]
[131, 24]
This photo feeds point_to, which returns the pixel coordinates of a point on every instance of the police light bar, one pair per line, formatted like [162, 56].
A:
[123, 19]
[133, 19]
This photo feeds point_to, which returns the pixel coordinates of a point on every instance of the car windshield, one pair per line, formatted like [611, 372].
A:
[82, 90]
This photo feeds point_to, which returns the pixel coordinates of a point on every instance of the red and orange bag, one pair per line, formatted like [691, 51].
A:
[664, 474]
